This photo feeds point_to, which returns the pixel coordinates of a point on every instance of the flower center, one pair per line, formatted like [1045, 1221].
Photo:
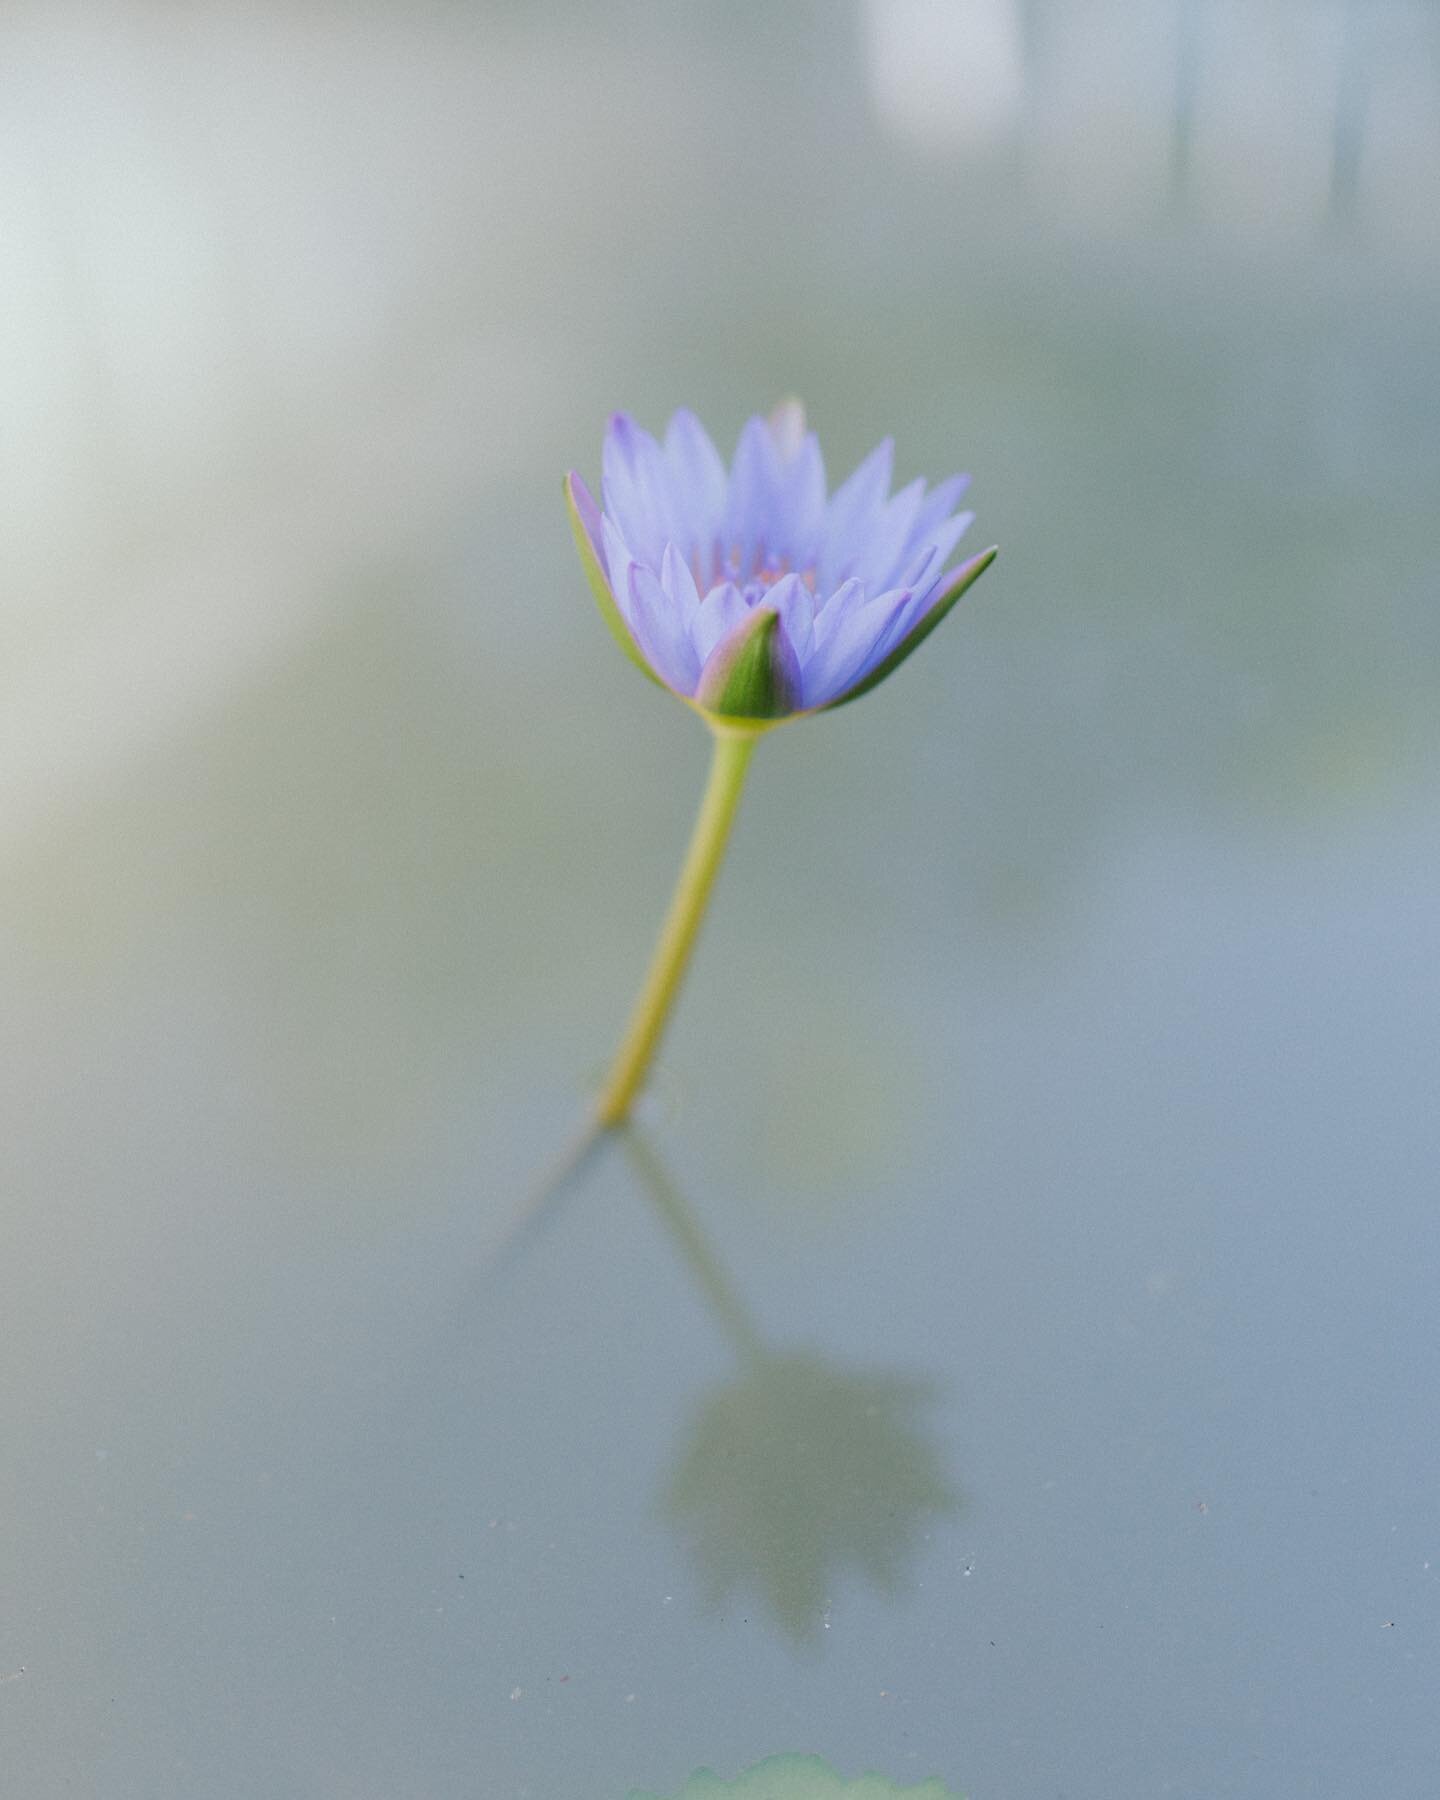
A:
[753, 582]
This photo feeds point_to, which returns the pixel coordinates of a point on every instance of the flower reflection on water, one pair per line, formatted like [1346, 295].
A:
[795, 1470]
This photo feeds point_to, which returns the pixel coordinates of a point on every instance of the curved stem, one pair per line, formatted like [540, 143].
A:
[731, 758]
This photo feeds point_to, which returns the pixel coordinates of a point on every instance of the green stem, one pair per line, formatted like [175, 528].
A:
[733, 748]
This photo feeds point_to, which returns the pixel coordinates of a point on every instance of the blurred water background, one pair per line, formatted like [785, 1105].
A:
[1009, 1354]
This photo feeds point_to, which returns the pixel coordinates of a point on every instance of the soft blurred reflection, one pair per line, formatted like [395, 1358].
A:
[797, 1472]
[1263, 118]
[946, 72]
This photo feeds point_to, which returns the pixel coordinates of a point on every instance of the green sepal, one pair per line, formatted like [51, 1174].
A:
[961, 581]
[752, 674]
[600, 587]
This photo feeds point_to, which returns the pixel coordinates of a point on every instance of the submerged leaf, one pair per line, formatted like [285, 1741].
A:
[800, 1778]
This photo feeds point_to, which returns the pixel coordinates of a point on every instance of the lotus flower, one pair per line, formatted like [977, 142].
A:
[753, 593]
[756, 596]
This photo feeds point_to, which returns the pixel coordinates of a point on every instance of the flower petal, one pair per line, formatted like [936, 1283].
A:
[796, 606]
[883, 554]
[754, 518]
[698, 480]
[940, 503]
[829, 613]
[586, 523]
[582, 505]
[933, 551]
[679, 585]
[637, 488]
[802, 504]
[721, 611]
[850, 644]
[961, 580]
[662, 634]
[618, 561]
[800, 488]
[853, 506]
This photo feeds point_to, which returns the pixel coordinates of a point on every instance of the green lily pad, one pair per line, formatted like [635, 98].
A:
[799, 1778]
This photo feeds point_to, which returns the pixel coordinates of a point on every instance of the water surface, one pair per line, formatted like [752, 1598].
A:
[1008, 1352]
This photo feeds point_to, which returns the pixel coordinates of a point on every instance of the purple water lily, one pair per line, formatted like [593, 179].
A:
[752, 592]
[756, 596]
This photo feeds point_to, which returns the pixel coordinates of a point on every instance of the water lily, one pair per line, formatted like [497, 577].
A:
[753, 593]
[756, 596]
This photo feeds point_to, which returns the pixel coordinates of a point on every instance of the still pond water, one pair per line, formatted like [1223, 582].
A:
[1006, 1351]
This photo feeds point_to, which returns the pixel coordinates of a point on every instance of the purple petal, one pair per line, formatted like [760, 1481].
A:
[934, 551]
[857, 641]
[853, 508]
[679, 585]
[940, 503]
[720, 612]
[923, 572]
[883, 551]
[589, 517]
[829, 613]
[618, 562]
[637, 488]
[796, 606]
[802, 503]
[698, 479]
[753, 516]
[661, 633]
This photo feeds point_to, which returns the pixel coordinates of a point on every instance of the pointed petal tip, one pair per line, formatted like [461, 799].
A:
[684, 422]
[624, 432]
[960, 581]
[787, 427]
[577, 492]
